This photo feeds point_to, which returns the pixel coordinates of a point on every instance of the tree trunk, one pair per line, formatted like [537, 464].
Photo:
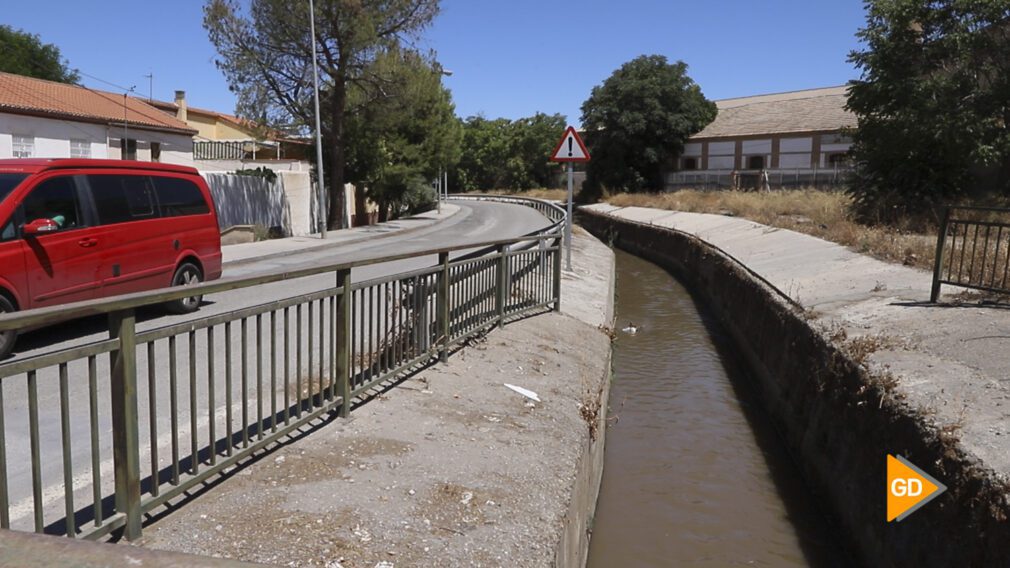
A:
[337, 196]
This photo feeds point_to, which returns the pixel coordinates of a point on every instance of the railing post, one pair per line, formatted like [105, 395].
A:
[125, 428]
[557, 274]
[941, 238]
[503, 284]
[343, 334]
[442, 307]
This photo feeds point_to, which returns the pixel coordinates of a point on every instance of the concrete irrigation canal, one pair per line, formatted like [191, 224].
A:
[694, 473]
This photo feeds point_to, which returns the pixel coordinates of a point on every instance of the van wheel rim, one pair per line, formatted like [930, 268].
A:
[189, 277]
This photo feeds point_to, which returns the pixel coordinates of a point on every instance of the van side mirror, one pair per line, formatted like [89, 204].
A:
[40, 226]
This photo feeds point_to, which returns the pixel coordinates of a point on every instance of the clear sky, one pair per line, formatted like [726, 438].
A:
[509, 58]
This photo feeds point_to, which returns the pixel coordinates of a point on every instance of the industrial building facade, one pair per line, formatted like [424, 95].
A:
[784, 139]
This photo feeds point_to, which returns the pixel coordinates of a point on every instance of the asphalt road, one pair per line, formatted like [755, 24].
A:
[476, 222]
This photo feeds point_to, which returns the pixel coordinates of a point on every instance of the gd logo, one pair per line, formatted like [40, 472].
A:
[908, 488]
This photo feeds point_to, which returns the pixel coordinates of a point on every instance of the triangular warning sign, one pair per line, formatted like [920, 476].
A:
[571, 148]
[908, 488]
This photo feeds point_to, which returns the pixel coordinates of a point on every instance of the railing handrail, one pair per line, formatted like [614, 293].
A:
[977, 208]
[65, 312]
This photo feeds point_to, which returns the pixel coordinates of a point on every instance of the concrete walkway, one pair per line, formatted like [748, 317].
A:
[949, 359]
[277, 247]
[449, 468]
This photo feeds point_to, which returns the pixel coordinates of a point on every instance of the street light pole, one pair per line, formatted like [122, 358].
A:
[321, 197]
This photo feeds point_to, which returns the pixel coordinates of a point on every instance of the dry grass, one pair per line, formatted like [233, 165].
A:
[823, 214]
[549, 194]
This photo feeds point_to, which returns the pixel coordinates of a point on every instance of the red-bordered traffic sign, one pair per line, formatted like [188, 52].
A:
[571, 148]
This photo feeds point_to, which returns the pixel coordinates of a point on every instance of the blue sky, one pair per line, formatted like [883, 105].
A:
[509, 58]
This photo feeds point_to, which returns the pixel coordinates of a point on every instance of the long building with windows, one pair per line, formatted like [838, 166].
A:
[782, 139]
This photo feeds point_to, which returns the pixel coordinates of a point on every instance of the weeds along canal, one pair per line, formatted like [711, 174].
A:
[694, 475]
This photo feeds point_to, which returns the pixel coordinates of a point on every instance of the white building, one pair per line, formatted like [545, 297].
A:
[795, 138]
[45, 119]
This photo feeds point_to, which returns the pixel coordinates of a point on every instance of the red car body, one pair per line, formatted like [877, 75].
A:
[76, 229]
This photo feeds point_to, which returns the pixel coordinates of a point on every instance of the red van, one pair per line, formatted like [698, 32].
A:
[73, 229]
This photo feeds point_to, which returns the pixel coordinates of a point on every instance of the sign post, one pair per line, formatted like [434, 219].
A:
[570, 149]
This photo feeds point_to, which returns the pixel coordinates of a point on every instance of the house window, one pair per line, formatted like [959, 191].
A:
[755, 162]
[155, 151]
[690, 164]
[128, 149]
[24, 146]
[80, 148]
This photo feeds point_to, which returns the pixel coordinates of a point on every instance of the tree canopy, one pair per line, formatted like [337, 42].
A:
[637, 121]
[932, 102]
[266, 54]
[509, 154]
[22, 53]
[398, 143]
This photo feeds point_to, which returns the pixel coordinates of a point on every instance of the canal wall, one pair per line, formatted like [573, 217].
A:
[840, 405]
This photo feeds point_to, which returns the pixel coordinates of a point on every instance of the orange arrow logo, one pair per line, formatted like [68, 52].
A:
[908, 488]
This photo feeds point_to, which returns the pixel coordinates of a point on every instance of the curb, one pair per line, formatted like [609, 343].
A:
[351, 241]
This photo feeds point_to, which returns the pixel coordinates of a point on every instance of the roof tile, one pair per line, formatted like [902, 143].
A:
[780, 113]
[27, 95]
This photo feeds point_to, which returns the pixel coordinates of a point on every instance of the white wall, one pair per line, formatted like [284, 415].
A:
[796, 145]
[720, 162]
[52, 139]
[757, 147]
[721, 149]
[692, 149]
[794, 160]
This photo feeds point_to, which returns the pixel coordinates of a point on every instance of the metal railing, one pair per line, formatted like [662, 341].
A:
[173, 407]
[973, 250]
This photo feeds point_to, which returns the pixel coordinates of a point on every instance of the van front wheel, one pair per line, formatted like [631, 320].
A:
[7, 338]
[187, 274]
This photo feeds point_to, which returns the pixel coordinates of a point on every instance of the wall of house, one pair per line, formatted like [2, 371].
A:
[175, 148]
[52, 139]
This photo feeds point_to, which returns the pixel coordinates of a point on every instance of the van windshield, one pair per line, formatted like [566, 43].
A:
[8, 182]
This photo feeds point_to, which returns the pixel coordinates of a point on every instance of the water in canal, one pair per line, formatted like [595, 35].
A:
[694, 474]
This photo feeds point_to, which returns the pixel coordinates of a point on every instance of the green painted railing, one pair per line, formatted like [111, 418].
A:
[176, 406]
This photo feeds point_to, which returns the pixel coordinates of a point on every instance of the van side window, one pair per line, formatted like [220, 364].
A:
[119, 199]
[8, 232]
[55, 199]
[179, 196]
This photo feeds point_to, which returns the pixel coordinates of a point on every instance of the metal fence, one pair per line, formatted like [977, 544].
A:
[973, 250]
[175, 406]
[778, 178]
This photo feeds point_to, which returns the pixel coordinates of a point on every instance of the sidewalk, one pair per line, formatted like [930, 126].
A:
[448, 468]
[278, 247]
[949, 359]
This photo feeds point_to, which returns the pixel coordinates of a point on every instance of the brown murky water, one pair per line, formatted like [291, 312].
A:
[694, 474]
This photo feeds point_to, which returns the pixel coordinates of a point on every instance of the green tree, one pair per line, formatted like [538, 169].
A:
[932, 102]
[504, 154]
[637, 121]
[266, 55]
[401, 141]
[22, 53]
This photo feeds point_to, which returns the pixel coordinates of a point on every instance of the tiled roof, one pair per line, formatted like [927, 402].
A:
[797, 111]
[26, 95]
[243, 124]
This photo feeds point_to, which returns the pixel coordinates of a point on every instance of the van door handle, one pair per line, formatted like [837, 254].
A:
[87, 242]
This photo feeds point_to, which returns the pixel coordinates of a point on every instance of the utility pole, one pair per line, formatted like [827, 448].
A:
[321, 198]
